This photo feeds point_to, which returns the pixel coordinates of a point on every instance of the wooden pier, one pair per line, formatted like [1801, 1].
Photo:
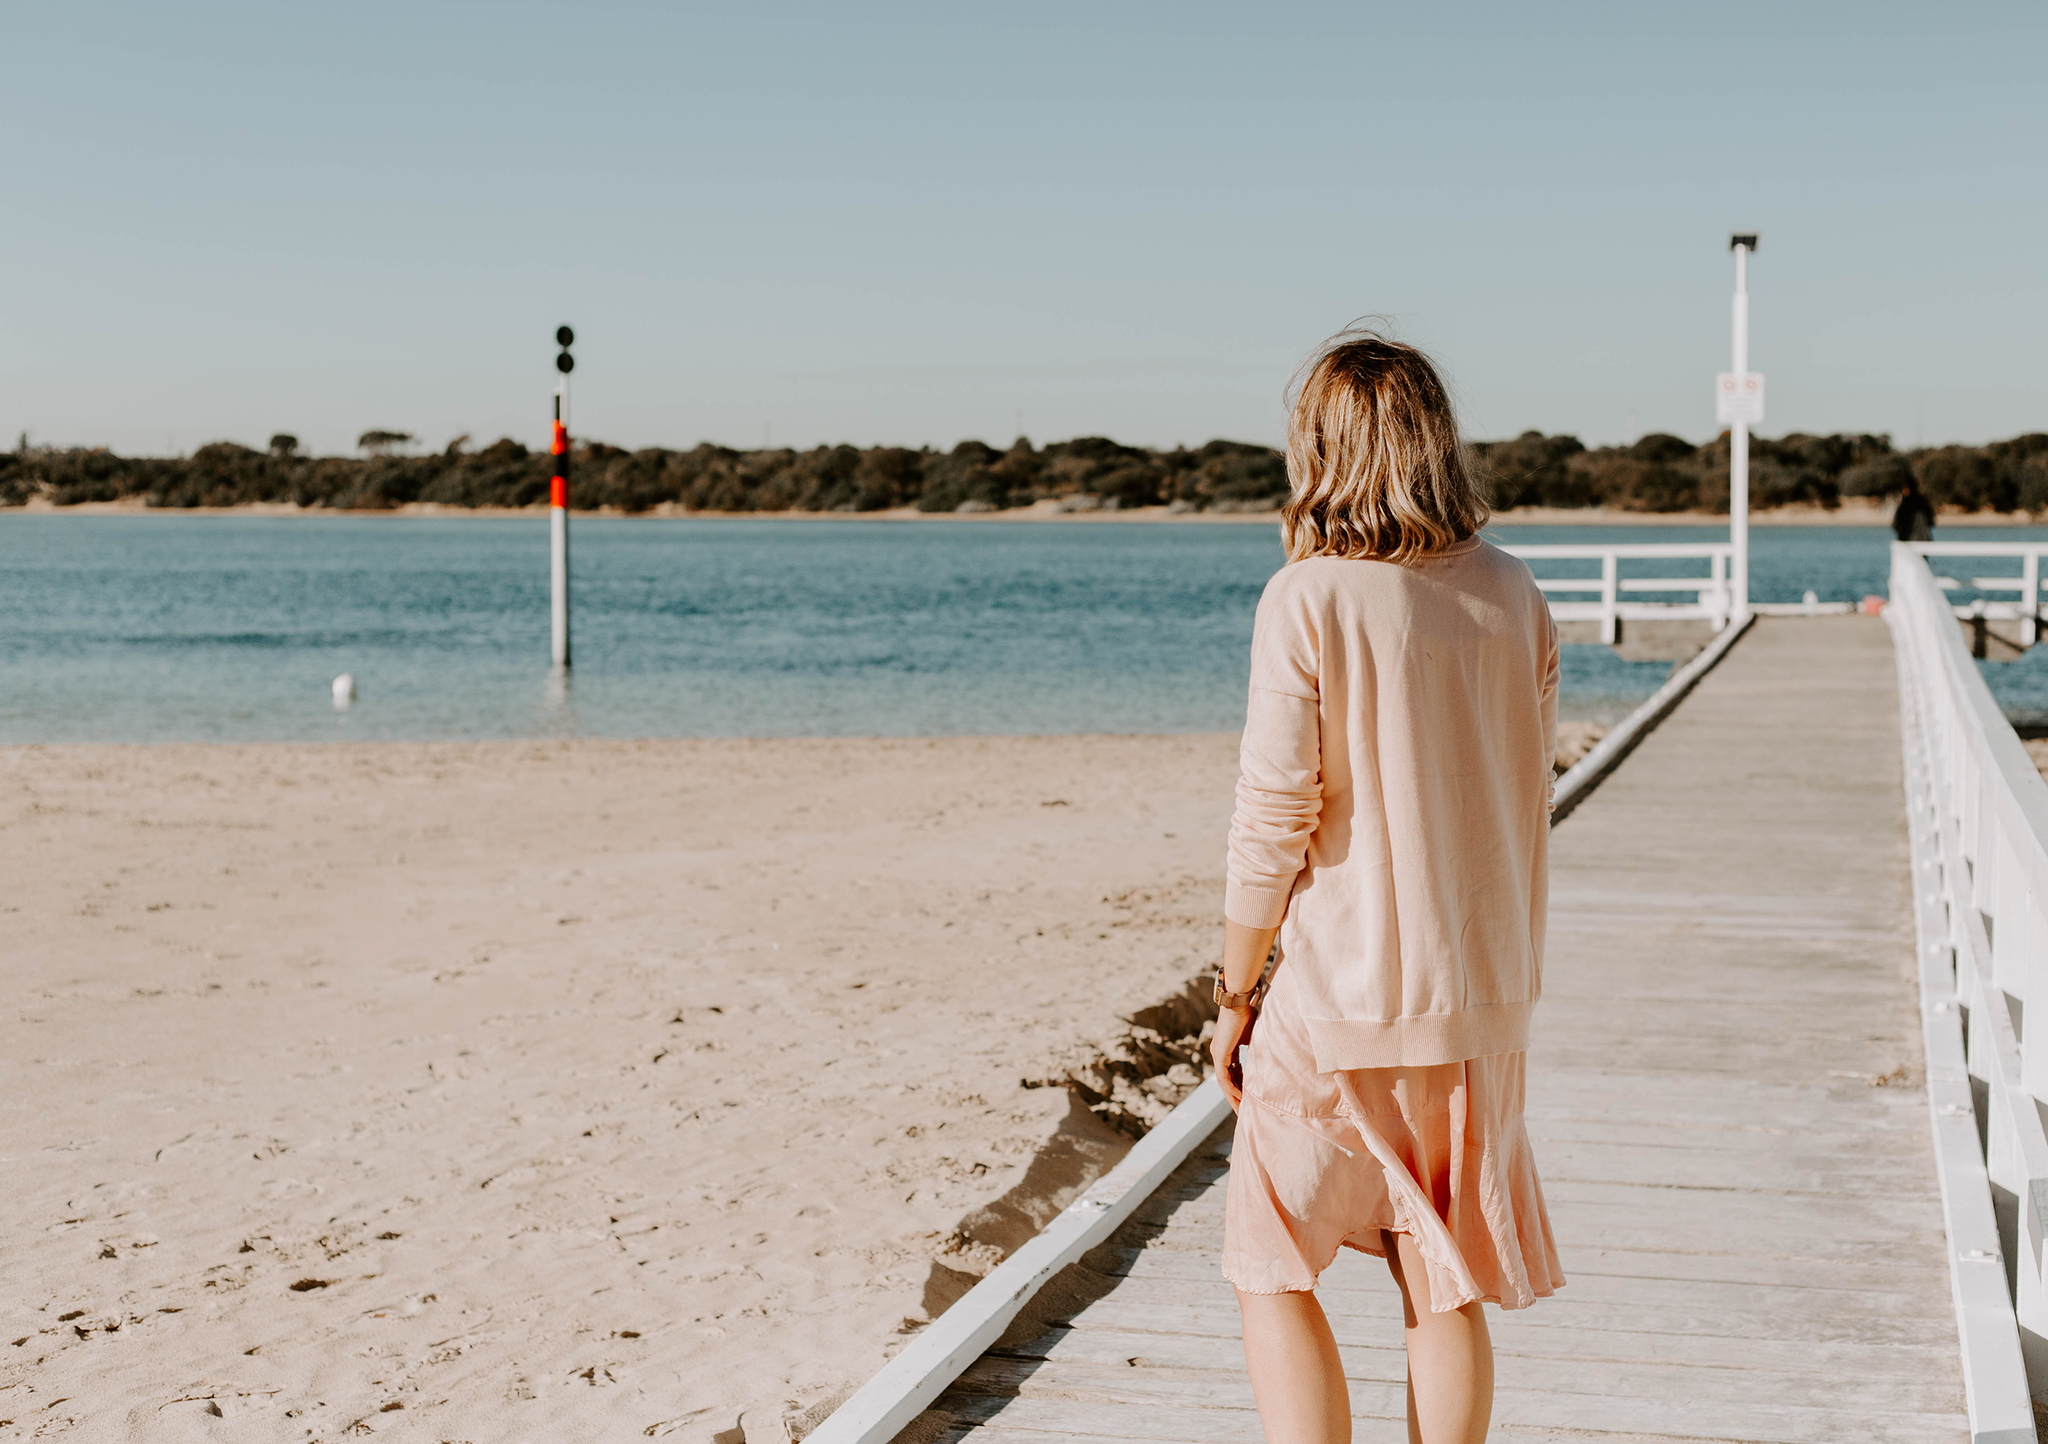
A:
[1726, 1099]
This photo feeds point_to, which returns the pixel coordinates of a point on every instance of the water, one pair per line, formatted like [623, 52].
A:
[160, 628]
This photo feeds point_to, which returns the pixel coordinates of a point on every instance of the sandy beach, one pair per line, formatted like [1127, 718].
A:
[582, 1090]
[598, 1090]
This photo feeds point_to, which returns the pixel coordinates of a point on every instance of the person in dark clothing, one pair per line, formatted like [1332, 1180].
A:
[1914, 519]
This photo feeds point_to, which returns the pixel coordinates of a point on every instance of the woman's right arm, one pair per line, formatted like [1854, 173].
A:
[1245, 951]
[1280, 764]
[1279, 801]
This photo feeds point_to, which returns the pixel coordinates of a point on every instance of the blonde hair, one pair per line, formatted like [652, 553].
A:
[1373, 457]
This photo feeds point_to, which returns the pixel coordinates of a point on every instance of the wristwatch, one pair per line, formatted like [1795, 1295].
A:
[1250, 999]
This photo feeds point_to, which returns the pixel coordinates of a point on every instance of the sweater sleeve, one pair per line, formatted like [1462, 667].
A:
[1280, 765]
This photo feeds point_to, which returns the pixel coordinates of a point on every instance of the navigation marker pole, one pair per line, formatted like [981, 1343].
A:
[558, 503]
[1739, 403]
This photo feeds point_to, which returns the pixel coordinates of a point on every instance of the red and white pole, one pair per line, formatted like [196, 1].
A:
[558, 504]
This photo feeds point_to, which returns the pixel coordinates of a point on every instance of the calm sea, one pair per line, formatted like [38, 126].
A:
[160, 628]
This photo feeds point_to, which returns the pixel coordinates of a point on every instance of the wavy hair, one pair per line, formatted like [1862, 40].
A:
[1373, 457]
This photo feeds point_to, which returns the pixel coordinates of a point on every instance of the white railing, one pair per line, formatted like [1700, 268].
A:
[1713, 599]
[1977, 814]
[2025, 608]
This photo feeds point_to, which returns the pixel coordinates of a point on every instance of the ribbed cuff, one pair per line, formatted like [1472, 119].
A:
[1254, 907]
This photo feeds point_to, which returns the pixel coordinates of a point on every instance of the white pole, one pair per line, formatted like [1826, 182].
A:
[558, 541]
[1738, 444]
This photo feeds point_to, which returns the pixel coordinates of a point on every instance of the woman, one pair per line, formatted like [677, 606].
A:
[1391, 831]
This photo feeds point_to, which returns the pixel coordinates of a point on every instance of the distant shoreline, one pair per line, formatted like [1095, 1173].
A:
[1852, 512]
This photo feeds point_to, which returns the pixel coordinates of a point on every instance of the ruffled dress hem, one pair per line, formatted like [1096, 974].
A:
[1323, 1161]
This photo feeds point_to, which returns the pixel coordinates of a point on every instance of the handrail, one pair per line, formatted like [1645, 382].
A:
[1714, 600]
[2025, 608]
[1553, 551]
[1977, 812]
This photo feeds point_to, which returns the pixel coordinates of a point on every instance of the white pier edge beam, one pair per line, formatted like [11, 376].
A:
[1584, 775]
[935, 1358]
[1977, 816]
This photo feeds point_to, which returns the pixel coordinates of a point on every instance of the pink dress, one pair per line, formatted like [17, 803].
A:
[1393, 822]
[1323, 1160]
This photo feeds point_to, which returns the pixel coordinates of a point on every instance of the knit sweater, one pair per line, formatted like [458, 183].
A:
[1393, 805]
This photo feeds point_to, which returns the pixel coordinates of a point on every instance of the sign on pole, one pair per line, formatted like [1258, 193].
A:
[1738, 398]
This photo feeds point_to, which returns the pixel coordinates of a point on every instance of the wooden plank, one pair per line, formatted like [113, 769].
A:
[1132, 1303]
[1922, 1366]
[1504, 1433]
[1181, 1249]
[1205, 1418]
[1643, 1215]
[1139, 1366]
[1573, 1392]
[1922, 1296]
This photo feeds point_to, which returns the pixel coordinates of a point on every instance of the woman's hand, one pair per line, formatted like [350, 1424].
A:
[1245, 950]
[1231, 1025]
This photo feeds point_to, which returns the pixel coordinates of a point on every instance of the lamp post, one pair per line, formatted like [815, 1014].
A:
[1739, 402]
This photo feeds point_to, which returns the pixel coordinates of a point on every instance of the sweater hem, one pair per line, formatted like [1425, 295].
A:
[1423, 1041]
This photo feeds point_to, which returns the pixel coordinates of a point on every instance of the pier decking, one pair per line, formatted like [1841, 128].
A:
[1726, 1102]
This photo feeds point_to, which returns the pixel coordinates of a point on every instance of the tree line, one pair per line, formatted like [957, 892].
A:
[1659, 473]
[1668, 473]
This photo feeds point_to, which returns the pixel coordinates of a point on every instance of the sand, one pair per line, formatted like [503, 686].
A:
[551, 1091]
[579, 1090]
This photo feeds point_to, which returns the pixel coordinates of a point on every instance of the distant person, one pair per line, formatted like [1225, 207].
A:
[1914, 519]
[1392, 831]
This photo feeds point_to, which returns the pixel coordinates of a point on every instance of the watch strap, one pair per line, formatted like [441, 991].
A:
[1248, 999]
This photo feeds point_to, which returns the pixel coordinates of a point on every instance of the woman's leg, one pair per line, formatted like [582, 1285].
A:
[1296, 1375]
[1450, 1358]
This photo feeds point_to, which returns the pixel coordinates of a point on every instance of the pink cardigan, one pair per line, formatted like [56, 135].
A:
[1393, 806]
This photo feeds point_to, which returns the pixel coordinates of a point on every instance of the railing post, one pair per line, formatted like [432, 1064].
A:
[2009, 901]
[1983, 848]
[1610, 574]
[2032, 939]
[1720, 578]
[2030, 597]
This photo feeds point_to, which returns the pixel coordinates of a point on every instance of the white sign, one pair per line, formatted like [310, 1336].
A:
[1739, 398]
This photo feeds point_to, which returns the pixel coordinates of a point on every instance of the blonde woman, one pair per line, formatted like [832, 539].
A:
[1391, 831]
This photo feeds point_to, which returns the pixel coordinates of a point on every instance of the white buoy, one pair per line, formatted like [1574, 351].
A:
[344, 691]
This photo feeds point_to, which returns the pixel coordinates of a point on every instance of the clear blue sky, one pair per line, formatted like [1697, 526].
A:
[909, 224]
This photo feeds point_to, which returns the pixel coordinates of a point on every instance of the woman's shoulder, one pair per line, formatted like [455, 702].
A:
[1313, 579]
[1324, 575]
